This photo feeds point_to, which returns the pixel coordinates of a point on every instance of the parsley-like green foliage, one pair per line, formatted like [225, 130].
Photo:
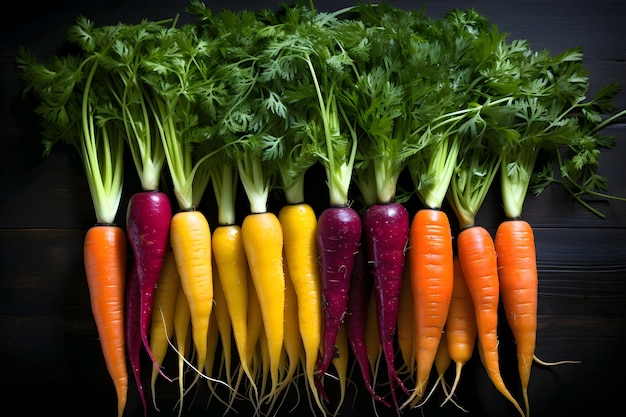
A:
[367, 92]
[75, 101]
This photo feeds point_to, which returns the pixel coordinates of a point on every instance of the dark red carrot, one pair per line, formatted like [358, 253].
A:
[386, 230]
[356, 318]
[132, 329]
[338, 237]
[147, 225]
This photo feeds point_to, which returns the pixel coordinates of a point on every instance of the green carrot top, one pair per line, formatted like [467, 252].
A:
[75, 106]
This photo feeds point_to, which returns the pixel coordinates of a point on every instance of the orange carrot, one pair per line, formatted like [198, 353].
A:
[190, 237]
[517, 271]
[431, 262]
[105, 260]
[460, 325]
[477, 257]
[442, 363]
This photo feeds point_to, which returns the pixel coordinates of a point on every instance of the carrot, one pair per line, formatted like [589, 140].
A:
[406, 325]
[149, 211]
[299, 224]
[442, 363]
[72, 91]
[262, 238]
[133, 331]
[477, 257]
[338, 237]
[293, 347]
[460, 325]
[215, 335]
[430, 253]
[190, 237]
[255, 332]
[356, 319]
[224, 327]
[147, 226]
[340, 362]
[105, 254]
[372, 337]
[182, 323]
[386, 229]
[230, 257]
[232, 266]
[162, 322]
[517, 271]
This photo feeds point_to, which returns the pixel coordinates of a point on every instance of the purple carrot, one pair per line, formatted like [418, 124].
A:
[148, 227]
[338, 237]
[133, 334]
[386, 229]
[356, 318]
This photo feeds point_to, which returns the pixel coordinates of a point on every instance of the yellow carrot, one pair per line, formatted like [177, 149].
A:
[162, 323]
[190, 237]
[299, 224]
[232, 267]
[224, 328]
[182, 323]
[263, 243]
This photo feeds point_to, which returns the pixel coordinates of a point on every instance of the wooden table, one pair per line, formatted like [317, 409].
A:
[49, 351]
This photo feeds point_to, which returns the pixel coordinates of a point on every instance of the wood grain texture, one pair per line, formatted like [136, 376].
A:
[49, 351]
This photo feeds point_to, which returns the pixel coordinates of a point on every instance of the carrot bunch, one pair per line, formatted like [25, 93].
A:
[74, 117]
[301, 283]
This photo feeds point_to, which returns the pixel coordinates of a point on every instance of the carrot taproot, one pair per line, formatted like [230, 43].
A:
[356, 319]
[190, 237]
[443, 360]
[406, 325]
[338, 236]
[232, 267]
[386, 231]
[340, 362]
[460, 325]
[299, 224]
[255, 333]
[224, 326]
[162, 322]
[372, 338]
[431, 273]
[477, 257]
[517, 272]
[442, 363]
[147, 226]
[132, 329]
[293, 348]
[262, 238]
[105, 259]
[182, 341]
[215, 335]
